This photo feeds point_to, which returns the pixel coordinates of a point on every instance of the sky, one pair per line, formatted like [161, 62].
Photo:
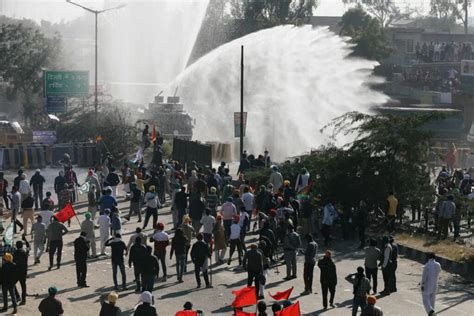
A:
[57, 10]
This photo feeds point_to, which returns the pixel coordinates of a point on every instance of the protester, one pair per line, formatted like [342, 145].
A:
[394, 265]
[392, 207]
[188, 231]
[149, 270]
[145, 306]
[118, 250]
[81, 248]
[138, 233]
[136, 257]
[55, 233]
[309, 262]
[51, 306]
[104, 228]
[38, 234]
[178, 247]
[181, 204]
[59, 183]
[372, 254]
[92, 202]
[37, 181]
[386, 264]
[9, 278]
[328, 278]
[220, 242]
[152, 204]
[291, 244]
[135, 203]
[4, 189]
[253, 264]
[445, 216]
[234, 240]
[276, 179]
[197, 208]
[87, 226]
[110, 307]
[371, 309]
[24, 187]
[429, 283]
[27, 211]
[361, 289]
[208, 221]
[329, 216]
[20, 258]
[200, 253]
[161, 241]
[107, 201]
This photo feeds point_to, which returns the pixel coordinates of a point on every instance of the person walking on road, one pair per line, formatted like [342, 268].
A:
[361, 289]
[178, 247]
[118, 250]
[234, 240]
[161, 241]
[200, 254]
[429, 283]
[329, 216]
[328, 278]
[37, 181]
[309, 263]
[253, 264]
[149, 269]
[110, 307]
[446, 214]
[372, 255]
[291, 244]
[145, 308]
[20, 258]
[104, 228]
[220, 243]
[152, 204]
[136, 256]
[9, 279]
[138, 233]
[38, 234]
[87, 226]
[81, 248]
[51, 306]
[55, 233]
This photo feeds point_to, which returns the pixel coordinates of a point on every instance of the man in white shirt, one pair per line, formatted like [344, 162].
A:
[104, 228]
[429, 283]
[234, 239]
[248, 199]
[24, 187]
[208, 221]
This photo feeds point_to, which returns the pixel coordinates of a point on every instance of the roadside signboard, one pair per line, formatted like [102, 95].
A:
[66, 83]
[55, 104]
[44, 137]
[237, 123]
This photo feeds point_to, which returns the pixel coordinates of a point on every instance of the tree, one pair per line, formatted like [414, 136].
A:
[451, 9]
[385, 11]
[366, 33]
[24, 53]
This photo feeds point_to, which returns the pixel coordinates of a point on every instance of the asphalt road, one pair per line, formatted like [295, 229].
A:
[456, 295]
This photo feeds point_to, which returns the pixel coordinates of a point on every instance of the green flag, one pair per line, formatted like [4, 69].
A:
[9, 235]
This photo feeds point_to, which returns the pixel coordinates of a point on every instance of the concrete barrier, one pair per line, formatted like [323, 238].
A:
[86, 154]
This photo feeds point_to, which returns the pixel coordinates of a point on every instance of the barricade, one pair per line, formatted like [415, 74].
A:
[11, 157]
[36, 156]
[86, 154]
[221, 151]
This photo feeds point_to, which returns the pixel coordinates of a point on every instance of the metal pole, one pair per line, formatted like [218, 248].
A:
[466, 17]
[241, 102]
[96, 102]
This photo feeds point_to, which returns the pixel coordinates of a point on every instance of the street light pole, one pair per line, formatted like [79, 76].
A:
[96, 13]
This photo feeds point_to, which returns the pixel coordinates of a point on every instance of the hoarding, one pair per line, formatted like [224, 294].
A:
[66, 83]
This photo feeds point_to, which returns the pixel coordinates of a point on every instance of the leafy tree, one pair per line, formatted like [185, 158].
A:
[385, 11]
[451, 9]
[24, 53]
[366, 33]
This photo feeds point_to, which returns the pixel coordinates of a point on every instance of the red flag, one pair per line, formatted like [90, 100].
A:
[153, 135]
[242, 313]
[281, 296]
[66, 213]
[292, 310]
[187, 313]
[244, 297]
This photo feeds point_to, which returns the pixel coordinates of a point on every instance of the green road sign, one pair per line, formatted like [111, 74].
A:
[67, 83]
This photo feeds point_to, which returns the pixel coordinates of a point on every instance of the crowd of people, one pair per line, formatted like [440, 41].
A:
[213, 214]
[433, 52]
[433, 79]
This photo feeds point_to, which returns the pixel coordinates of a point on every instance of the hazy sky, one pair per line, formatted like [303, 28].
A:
[57, 10]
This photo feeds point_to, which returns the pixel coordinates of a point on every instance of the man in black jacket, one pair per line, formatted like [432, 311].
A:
[81, 248]
[200, 253]
[37, 181]
[181, 204]
[20, 258]
[137, 254]
[253, 264]
[118, 250]
[149, 269]
[8, 282]
[309, 262]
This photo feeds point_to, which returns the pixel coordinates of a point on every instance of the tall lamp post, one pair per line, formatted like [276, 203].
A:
[96, 13]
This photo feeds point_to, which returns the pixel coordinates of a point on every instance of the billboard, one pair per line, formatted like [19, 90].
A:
[55, 104]
[44, 137]
[237, 123]
[66, 83]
